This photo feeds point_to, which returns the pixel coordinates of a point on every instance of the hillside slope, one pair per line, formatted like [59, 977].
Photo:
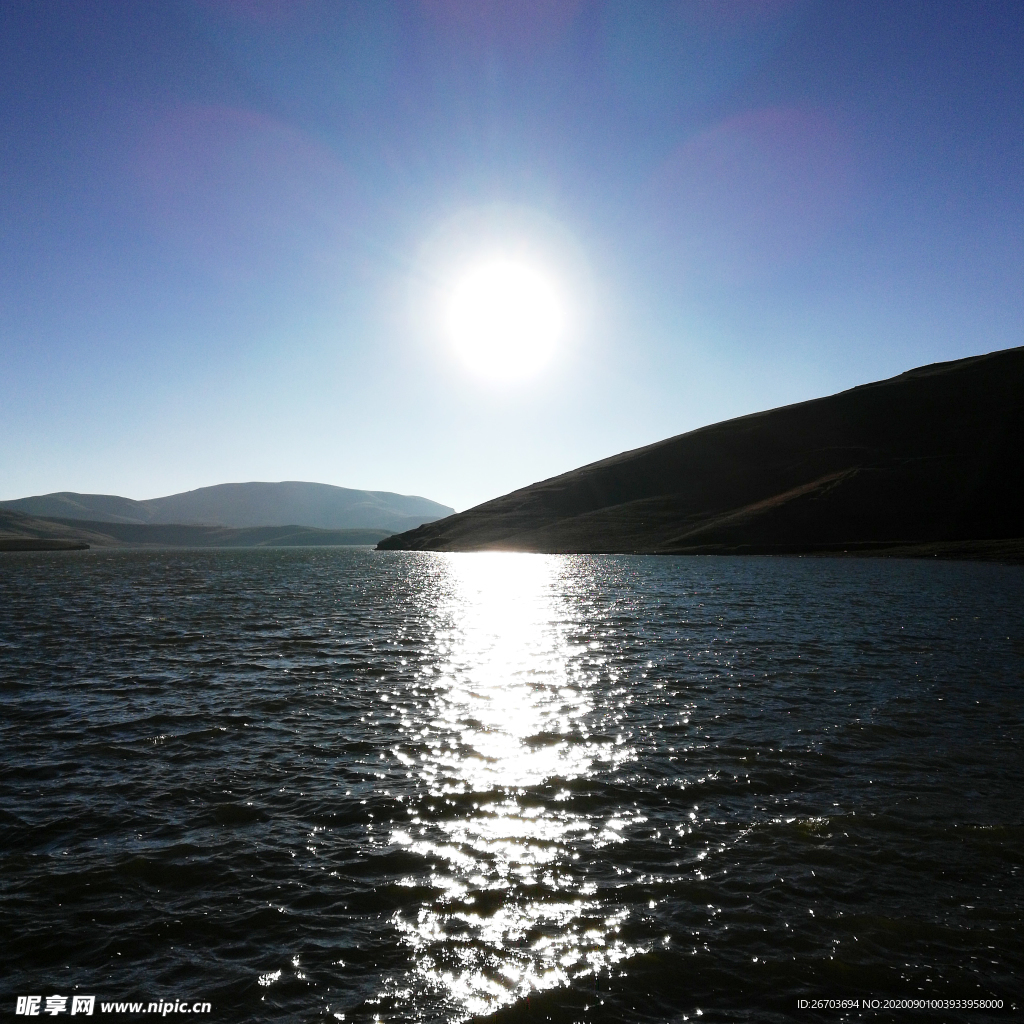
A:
[935, 455]
[19, 532]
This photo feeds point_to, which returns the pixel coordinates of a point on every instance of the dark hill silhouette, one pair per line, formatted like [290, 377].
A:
[290, 503]
[933, 457]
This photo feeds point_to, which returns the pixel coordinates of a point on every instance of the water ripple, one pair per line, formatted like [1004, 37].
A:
[416, 787]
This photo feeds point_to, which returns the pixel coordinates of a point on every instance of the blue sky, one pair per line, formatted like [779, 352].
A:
[226, 225]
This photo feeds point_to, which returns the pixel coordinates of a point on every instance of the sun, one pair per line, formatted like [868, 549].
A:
[505, 319]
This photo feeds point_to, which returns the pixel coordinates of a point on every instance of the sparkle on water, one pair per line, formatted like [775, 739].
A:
[509, 715]
[414, 786]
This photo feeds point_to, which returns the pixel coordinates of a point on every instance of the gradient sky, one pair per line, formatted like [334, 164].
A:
[225, 225]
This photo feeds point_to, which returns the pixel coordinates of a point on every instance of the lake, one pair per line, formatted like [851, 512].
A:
[401, 786]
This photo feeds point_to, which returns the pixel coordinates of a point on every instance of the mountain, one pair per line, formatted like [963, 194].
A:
[19, 532]
[931, 461]
[290, 503]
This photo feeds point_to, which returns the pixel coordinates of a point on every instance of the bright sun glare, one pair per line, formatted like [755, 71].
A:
[505, 319]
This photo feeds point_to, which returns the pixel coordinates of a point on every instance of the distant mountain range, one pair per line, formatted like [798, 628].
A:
[19, 532]
[929, 462]
[245, 505]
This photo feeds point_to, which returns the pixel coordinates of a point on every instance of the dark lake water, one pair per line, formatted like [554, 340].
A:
[360, 786]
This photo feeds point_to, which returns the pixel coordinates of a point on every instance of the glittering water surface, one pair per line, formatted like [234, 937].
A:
[417, 787]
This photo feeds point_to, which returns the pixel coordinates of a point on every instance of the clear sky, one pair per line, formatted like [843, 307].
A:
[228, 227]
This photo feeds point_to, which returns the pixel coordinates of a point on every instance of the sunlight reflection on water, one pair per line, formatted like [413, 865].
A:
[510, 714]
[415, 786]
